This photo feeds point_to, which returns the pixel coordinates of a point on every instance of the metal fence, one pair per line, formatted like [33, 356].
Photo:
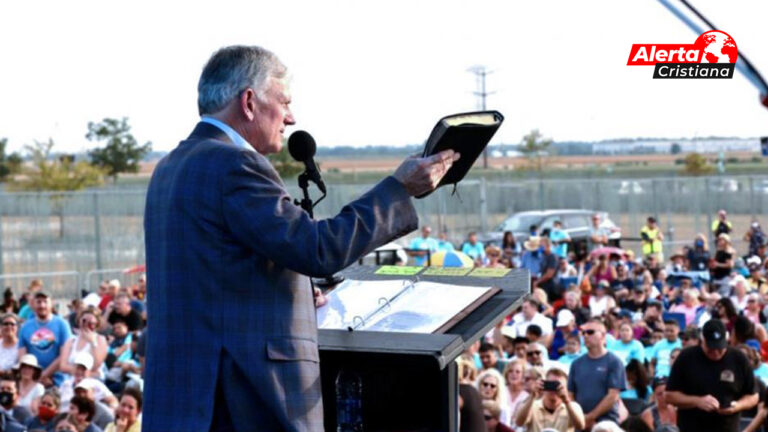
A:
[83, 231]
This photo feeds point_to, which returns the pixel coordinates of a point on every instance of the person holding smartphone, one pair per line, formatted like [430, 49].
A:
[550, 406]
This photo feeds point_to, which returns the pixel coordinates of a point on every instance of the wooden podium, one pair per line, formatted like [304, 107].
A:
[410, 380]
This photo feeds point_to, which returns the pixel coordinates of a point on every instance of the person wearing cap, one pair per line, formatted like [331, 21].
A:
[83, 363]
[44, 336]
[755, 237]
[596, 378]
[637, 300]
[660, 416]
[564, 326]
[420, 245]
[103, 414]
[756, 279]
[721, 225]
[30, 389]
[698, 256]
[652, 239]
[531, 259]
[711, 384]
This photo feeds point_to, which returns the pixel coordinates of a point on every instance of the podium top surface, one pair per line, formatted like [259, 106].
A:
[443, 347]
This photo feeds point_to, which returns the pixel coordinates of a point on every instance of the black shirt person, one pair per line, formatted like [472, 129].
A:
[711, 384]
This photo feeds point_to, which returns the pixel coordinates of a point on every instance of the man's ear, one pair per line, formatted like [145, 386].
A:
[248, 104]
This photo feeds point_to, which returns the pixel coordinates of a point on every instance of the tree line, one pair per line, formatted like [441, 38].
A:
[117, 152]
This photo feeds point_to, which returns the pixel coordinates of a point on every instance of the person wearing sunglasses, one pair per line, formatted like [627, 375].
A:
[492, 416]
[597, 378]
[9, 348]
[490, 384]
[86, 340]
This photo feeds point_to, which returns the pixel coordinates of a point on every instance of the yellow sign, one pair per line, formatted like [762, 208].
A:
[399, 270]
[489, 272]
[446, 271]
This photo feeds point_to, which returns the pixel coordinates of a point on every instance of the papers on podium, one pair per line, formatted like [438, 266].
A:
[399, 305]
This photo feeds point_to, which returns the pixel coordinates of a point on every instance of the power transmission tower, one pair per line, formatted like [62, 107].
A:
[480, 74]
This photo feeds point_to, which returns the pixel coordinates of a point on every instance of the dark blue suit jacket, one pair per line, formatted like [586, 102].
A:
[228, 302]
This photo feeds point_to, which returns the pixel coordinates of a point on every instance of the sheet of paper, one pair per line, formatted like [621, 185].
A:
[399, 270]
[446, 271]
[355, 298]
[425, 308]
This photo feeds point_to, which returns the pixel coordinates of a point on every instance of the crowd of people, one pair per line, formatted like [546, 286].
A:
[78, 370]
[608, 341]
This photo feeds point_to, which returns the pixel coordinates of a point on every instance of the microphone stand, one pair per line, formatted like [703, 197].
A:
[308, 206]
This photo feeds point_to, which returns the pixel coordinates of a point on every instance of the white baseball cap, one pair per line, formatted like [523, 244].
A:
[564, 317]
[84, 359]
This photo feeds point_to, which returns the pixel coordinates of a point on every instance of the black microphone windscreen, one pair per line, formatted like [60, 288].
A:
[301, 146]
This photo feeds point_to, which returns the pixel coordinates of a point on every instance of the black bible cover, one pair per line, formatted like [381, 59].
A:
[466, 133]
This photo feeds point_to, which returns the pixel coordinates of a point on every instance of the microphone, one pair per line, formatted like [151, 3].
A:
[302, 148]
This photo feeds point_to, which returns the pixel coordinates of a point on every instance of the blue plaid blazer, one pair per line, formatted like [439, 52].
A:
[228, 301]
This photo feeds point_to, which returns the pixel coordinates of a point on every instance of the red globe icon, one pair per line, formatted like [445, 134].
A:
[717, 47]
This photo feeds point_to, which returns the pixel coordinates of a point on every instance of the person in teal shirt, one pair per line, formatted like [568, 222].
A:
[473, 248]
[573, 350]
[443, 244]
[627, 347]
[663, 348]
[420, 245]
[560, 239]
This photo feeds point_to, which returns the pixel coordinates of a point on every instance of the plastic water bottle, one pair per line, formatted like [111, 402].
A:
[349, 402]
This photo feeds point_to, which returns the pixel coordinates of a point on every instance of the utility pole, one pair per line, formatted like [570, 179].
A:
[480, 74]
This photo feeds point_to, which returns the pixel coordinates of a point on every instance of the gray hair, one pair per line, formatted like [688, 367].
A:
[233, 69]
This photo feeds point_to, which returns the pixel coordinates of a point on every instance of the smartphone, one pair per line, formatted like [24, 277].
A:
[551, 385]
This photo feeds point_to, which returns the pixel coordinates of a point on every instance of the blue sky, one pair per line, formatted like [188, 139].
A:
[378, 73]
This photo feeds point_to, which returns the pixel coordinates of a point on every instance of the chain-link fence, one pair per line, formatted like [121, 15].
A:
[86, 231]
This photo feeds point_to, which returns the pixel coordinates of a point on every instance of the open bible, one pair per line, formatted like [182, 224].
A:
[399, 305]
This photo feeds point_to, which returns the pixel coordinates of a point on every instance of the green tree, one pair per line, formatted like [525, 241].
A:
[122, 153]
[675, 148]
[534, 147]
[284, 163]
[696, 165]
[9, 164]
[57, 174]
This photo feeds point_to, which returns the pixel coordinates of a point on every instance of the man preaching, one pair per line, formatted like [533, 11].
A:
[233, 344]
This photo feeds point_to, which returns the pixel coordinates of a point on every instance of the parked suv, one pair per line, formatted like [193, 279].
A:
[575, 222]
